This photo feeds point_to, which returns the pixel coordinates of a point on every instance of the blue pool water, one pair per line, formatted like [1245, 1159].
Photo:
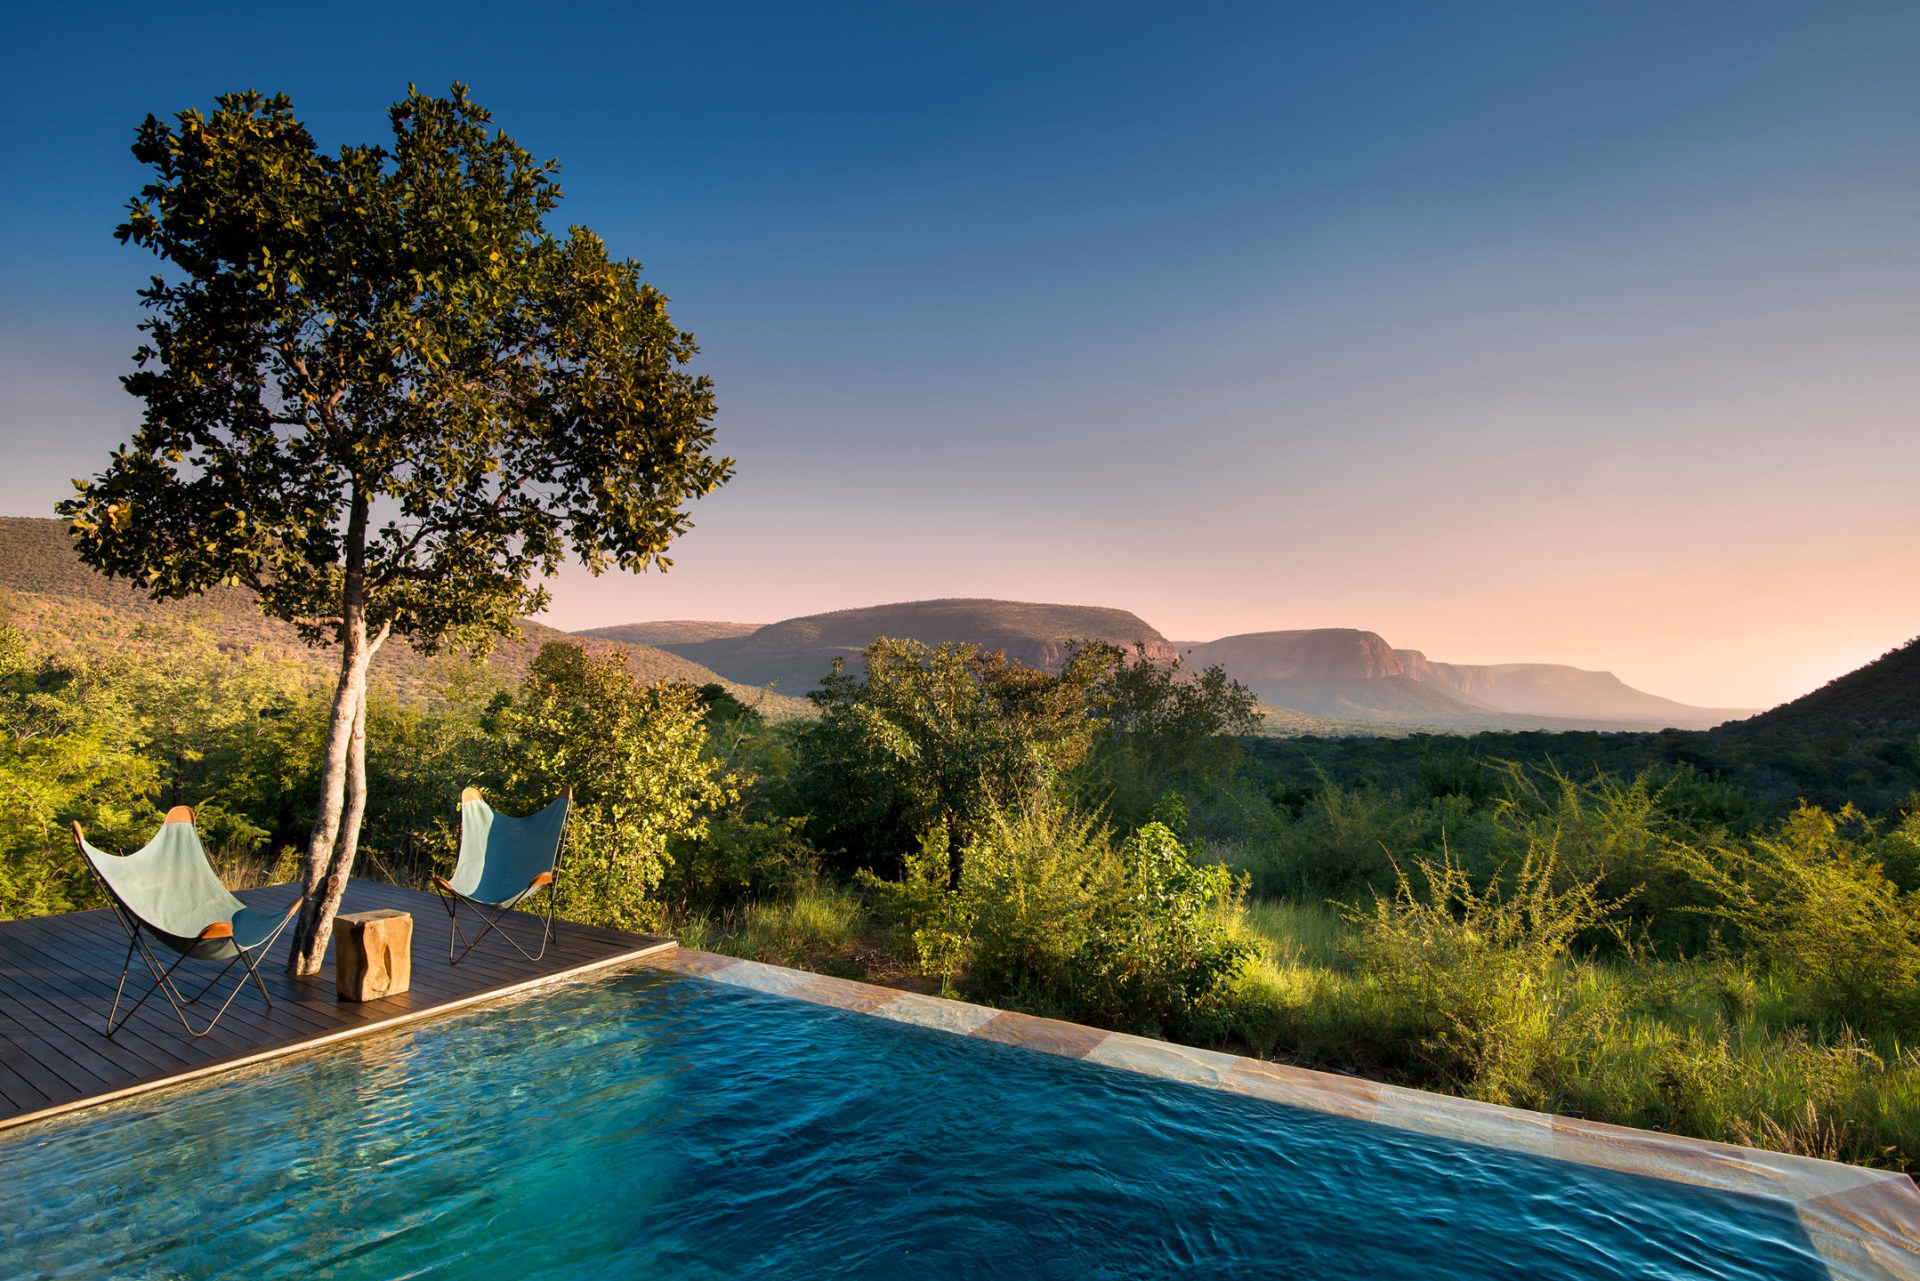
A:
[652, 1125]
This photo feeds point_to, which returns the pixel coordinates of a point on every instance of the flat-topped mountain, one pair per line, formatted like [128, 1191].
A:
[1353, 674]
[1343, 674]
[1553, 689]
[1340, 672]
[799, 651]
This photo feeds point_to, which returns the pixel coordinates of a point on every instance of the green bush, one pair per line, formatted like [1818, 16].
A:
[633, 753]
[1810, 901]
[1031, 889]
[1053, 917]
[1474, 976]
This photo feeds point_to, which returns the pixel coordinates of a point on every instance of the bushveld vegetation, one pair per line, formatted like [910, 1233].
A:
[1559, 922]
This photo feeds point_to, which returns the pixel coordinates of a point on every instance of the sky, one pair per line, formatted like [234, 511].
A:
[1548, 332]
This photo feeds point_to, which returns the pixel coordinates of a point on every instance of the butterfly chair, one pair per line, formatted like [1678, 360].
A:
[504, 861]
[169, 888]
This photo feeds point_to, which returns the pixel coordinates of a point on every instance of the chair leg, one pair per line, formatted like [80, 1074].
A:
[492, 926]
[163, 983]
[254, 973]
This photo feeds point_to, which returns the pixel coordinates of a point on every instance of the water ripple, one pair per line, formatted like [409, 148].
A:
[656, 1126]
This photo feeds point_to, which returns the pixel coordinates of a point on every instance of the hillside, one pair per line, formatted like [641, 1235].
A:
[56, 600]
[1854, 740]
[1880, 699]
[799, 651]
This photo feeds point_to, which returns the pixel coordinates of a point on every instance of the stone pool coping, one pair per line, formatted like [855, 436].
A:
[1864, 1223]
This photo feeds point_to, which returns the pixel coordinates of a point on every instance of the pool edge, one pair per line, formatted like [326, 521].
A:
[1864, 1223]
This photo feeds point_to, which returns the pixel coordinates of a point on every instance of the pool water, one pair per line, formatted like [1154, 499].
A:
[655, 1125]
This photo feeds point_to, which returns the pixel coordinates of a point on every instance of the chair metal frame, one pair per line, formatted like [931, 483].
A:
[492, 913]
[163, 977]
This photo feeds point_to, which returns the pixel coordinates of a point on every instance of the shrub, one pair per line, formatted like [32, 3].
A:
[1161, 958]
[1471, 973]
[1051, 917]
[1032, 888]
[633, 753]
[1810, 901]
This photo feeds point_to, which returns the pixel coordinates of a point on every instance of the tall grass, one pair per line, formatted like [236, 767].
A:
[1711, 1047]
[812, 930]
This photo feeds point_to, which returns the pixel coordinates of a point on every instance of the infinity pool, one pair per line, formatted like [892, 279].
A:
[661, 1126]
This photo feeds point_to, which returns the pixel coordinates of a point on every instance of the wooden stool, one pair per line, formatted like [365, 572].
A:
[373, 954]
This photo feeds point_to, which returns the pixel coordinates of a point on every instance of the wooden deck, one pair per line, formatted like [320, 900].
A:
[57, 976]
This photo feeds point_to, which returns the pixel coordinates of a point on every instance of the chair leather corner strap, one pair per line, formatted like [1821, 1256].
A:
[544, 878]
[441, 882]
[218, 930]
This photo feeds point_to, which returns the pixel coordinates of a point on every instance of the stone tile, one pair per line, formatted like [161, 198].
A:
[935, 1012]
[1049, 1036]
[1870, 1232]
[761, 978]
[687, 961]
[1465, 1120]
[1298, 1087]
[1161, 1058]
[844, 994]
[1702, 1162]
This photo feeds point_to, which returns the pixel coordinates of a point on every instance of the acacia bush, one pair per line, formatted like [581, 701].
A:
[1473, 976]
[1811, 901]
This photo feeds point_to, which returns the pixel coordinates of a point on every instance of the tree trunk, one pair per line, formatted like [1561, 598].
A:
[310, 934]
[340, 869]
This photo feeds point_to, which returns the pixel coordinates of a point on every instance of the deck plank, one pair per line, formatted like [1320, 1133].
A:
[57, 978]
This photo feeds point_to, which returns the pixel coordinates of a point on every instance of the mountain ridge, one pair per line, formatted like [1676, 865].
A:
[1343, 675]
[797, 652]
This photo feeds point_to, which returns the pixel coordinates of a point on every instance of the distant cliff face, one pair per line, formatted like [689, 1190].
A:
[1552, 689]
[1352, 674]
[1340, 672]
[797, 652]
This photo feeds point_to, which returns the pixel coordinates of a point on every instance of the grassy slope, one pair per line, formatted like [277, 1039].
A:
[58, 601]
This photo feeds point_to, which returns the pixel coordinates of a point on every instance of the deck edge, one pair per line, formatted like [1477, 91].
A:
[635, 956]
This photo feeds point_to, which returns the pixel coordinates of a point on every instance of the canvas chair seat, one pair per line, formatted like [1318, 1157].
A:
[167, 891]
[504, 861]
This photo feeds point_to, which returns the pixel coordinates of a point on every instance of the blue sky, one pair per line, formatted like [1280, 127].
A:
[1552, 332]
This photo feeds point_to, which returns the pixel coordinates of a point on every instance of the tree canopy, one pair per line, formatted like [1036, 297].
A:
[382, 394]
[393, 327]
